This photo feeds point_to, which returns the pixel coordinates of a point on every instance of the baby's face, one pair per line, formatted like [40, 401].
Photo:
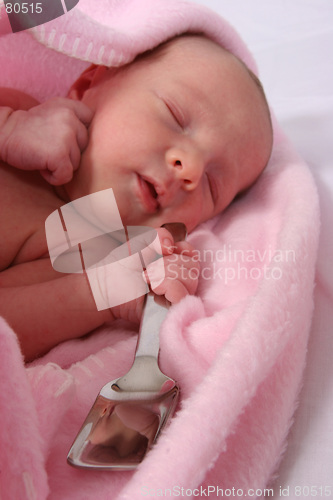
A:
[176, 136]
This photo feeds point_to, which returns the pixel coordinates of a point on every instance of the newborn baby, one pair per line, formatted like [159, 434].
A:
[176, 134]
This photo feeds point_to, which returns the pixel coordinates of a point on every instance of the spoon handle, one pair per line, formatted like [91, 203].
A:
[156, 307]
[153, 316]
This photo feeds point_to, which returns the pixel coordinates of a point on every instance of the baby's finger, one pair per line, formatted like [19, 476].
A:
[176, 292]
[158, 273]
[82, 111]
[57, 178]
[48, 176]
[184, 248]
[61, 175]
[155, 273]
[177, 267]
[152, 243]
[82, 136]
[166, 241]
[173, 290]
[75, 158]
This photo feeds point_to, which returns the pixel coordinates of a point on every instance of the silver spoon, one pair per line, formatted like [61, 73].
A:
[130, 412]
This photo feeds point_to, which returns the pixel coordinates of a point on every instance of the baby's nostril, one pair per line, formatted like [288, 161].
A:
[178, 163]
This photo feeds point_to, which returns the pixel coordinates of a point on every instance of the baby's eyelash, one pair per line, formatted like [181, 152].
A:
[212, 188]
[175, 113]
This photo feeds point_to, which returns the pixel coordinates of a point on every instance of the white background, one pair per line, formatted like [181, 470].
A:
[292, 42]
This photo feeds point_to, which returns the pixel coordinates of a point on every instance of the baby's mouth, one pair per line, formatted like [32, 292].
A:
[148, 194]
[152, 189]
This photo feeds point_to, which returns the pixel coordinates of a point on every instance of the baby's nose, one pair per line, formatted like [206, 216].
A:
[187, 166]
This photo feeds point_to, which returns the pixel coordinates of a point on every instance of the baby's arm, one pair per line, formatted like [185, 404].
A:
[45, 307]
[43, 314]
[48, 137]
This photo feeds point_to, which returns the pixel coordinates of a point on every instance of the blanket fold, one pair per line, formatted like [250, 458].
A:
[237, 349]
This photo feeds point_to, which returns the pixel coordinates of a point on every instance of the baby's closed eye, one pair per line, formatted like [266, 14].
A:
[213, 188]
[175, 112]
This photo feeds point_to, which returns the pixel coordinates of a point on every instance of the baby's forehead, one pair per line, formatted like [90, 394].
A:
[197, 50]
[181, 53]
[185, 44]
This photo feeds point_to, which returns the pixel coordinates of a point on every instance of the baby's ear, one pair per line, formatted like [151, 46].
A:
[90, 77]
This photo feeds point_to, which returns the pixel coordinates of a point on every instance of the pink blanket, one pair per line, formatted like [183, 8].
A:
[237, 349]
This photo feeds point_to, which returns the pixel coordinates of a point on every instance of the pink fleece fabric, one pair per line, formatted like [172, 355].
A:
[237, 349]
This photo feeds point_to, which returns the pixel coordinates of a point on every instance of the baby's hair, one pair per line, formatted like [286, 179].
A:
[260, 87]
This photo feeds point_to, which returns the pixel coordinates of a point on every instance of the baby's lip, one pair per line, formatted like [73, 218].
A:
[148, 192]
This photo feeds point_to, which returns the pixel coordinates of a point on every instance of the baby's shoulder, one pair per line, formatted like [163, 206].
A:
[25, 202]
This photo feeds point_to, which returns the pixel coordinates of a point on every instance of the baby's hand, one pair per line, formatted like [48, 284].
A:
[49, 137]
[180, 269]
[174, 275]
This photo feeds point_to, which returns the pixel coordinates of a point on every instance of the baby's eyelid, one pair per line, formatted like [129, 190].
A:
[212, 187]
[175, 113]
